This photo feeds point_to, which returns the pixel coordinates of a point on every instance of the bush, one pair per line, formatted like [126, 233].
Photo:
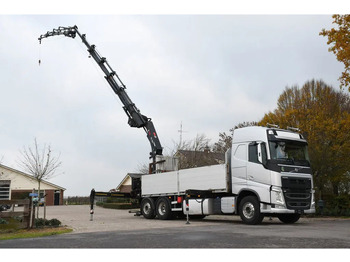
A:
[40, 222]
[19, 219]
[3, 221]
[336, 206]
[55, 222]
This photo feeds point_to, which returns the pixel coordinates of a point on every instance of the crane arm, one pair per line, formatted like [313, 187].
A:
[135, 118]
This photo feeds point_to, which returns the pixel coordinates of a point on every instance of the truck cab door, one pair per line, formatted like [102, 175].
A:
[258, 177]
[239, 167]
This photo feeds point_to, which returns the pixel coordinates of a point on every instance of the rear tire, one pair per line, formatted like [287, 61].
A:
[249, 210]
[148, 208]
[288, 218]
[163, 209]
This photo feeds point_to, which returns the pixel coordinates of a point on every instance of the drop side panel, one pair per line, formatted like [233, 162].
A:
[201, 178]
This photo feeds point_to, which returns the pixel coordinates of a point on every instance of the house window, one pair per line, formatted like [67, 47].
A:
[5, 189]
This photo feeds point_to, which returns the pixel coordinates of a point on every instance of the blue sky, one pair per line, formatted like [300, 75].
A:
[209, 72]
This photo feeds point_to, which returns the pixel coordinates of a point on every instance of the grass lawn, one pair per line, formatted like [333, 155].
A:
[32, 233]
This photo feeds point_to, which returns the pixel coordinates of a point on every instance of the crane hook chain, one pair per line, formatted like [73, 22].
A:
[66, 31]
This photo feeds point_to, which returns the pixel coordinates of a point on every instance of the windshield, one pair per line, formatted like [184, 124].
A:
[290, 152]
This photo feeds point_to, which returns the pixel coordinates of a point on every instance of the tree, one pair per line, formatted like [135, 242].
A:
[340, 40]
[190, 153]
[323, 116]
[40, 163]
[225, 141]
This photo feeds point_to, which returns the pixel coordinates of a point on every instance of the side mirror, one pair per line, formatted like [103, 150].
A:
[262, 155]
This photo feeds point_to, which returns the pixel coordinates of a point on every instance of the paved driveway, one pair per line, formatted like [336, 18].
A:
[104, 219]
[120, 229]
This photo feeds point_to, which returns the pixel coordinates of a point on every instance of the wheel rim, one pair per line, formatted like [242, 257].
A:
[147, 208]
[248, 210]
[162, 208]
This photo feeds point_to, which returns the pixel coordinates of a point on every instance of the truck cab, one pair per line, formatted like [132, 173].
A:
[272, 166]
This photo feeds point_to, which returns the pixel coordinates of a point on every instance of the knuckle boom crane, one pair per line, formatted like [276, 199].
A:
[271, 185]
[135, 118]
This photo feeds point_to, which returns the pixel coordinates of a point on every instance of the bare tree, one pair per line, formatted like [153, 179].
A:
[194, 153]
[40, 163]
[143, 168]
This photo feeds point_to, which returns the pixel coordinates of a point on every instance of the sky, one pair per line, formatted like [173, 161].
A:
[208, 72]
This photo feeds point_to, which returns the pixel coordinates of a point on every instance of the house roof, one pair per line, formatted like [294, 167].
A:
[126, 177]
[30, 176]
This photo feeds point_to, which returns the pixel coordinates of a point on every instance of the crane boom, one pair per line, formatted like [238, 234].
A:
[135, 118]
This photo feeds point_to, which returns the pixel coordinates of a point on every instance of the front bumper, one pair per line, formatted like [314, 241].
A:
[267, 209]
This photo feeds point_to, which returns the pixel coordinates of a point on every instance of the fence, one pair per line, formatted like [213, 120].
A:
[26, 222]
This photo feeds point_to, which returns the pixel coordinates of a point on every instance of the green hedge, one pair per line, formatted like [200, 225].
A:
[336, 206]
[118, 200]
[117, 205]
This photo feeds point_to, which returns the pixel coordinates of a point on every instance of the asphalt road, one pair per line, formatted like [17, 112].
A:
[119, 229]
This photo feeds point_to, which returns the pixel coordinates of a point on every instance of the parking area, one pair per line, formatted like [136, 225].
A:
[104, 219]
[78, 218]
[112, 228]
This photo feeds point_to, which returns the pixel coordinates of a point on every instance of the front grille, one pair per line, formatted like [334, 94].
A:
[297, 200]
[297, 192]
[300, 196]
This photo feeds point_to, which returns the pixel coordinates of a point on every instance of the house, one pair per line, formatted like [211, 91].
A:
[15, 184]
[125, 185]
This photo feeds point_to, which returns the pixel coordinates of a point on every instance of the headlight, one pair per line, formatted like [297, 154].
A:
[277, 196]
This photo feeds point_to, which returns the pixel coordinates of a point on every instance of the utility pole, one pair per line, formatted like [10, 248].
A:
[181, 131]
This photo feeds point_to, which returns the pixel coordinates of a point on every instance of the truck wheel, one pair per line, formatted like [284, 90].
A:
[163, 209]
[249, 210]
[288, 218]
[147, 208]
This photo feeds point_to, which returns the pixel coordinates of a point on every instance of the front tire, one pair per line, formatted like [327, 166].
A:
[249, 210]
[148, 208]
[288, 218]
[163, 209]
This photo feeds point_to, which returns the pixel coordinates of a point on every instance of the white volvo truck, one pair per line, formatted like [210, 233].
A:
[266, 172]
